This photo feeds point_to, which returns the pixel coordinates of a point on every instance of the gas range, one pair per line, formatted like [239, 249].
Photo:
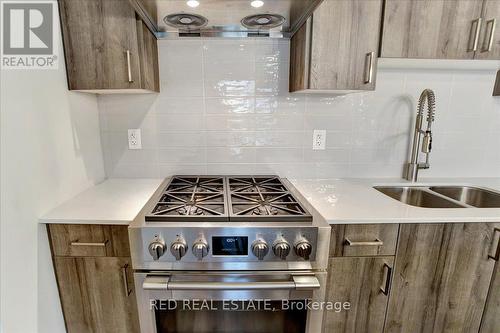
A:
[228, 222]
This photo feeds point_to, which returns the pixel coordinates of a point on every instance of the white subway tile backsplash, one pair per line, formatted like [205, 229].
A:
[329, 155]
[272, 50]
[179, 122]
[280, 138]
[279, 122]
[182, 169]
[288, 104]
[230, 123]
[224, 108]
[185, 105]
[279, 155]
[185, 155]
[229, 88]
[231, 155]
[215, 51]
[229, 105]
[231, 138]
[231, 168]
[181, 139]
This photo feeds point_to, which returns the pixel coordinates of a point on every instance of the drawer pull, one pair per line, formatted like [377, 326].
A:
[489, 35]
[368, 74]
[496, 255]
[77, 243]
[129, 67]
[386, 283]
[376, 242]
[125, 280]
[474, 36]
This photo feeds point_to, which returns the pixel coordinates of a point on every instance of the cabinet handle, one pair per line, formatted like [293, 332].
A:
[386, 283]
[369, 67]
[475, 29]
[496, 255]
[77, 243]
[129, 68]
[125, 280]
[489, 34]
[376, 242]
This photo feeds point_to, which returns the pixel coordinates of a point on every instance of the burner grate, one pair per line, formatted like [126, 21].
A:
[263, 198]
[223, 199]
[185, 197]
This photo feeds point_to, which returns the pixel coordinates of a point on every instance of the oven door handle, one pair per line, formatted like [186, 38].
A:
[299, 282]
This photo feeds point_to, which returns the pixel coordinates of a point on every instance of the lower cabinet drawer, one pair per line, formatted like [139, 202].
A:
[84, 240]
[354, 240]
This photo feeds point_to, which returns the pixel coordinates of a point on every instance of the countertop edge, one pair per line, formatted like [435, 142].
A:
[84, 221]
[61, 214]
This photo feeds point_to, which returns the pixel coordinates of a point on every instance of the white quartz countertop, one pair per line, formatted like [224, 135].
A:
[339, 201]
[114, 201]
[346, 201]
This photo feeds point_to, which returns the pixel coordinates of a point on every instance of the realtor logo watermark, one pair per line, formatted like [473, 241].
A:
[29, 35]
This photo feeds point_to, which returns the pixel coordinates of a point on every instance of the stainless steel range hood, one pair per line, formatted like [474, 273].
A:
[224, 18]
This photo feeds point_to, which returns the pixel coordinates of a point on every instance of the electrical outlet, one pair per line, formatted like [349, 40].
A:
[319, 139]
[134, 139]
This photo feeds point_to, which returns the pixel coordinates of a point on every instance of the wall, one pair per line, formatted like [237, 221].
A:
[50, 150]
[224, 108]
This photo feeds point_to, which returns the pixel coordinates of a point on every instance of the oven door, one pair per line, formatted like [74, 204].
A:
[256, 302]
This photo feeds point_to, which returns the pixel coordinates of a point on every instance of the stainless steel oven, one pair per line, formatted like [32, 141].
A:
[250, 301]
[229, 254]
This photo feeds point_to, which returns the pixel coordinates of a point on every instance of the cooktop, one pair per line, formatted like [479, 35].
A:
[228, 198]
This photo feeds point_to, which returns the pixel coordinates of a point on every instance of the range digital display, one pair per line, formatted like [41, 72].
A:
[230, 245]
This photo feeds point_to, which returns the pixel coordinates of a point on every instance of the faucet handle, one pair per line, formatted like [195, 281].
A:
[427, 142]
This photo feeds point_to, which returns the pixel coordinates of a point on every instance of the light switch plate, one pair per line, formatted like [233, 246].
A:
[319, 139]
[134, 139]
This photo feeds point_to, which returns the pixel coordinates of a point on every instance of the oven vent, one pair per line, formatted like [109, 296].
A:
[263, 21]
[185, 21]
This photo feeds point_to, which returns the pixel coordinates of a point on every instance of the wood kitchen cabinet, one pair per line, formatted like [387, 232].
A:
[336, 49]
[360, 272]
[358, 240]
[364, 282]
[491, 316]
[441, 29]
[94, 276]
[489, 41]
[107, 48]
[442, 275]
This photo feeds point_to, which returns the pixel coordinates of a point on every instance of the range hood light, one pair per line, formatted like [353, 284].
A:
[257, 3]
[193, 3]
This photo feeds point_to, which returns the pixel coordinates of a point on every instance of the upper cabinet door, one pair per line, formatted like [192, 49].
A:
[489, 40]
[100, 43]
[345, 40]
[148, 54]
[337, 49]
[431, 29]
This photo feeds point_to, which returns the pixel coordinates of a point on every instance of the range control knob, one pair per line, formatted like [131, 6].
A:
[303, 248]
[178, 248]
[281, 248]
[260, 249]
[156, 249]
[200, 249]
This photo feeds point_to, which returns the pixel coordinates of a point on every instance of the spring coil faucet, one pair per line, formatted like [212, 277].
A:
[414, 165]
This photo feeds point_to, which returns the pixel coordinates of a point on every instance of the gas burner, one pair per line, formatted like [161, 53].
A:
[263, 198]
[188, 197]
[225, 199]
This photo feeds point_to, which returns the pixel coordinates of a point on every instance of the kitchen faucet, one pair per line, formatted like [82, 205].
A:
[414, 165]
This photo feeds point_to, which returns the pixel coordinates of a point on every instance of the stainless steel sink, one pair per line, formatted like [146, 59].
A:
[472, 196]
[417, 196]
